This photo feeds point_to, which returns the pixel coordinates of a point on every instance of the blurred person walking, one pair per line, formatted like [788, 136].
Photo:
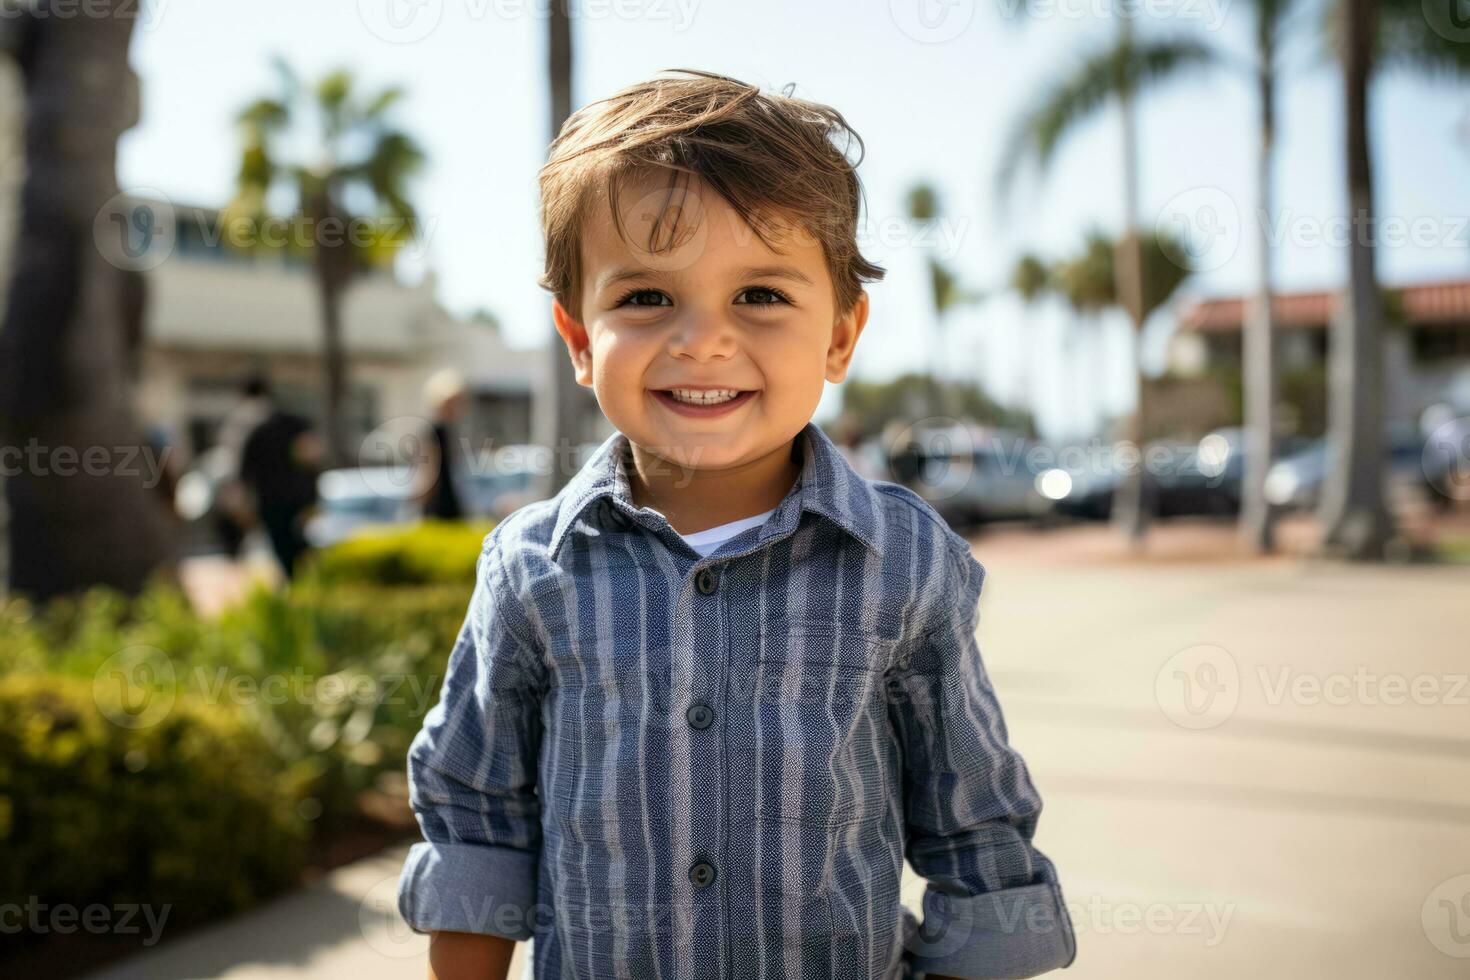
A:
[233, 513]
[279, 465]
[445, 394]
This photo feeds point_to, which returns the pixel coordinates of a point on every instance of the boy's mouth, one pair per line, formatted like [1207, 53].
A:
[702, 402]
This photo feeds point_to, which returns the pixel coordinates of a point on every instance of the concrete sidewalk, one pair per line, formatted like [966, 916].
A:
[345, 925]
[1250, 768]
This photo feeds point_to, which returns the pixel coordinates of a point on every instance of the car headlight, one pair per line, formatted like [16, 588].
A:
[1054, 484]
[1212, 455]
[1282, 483]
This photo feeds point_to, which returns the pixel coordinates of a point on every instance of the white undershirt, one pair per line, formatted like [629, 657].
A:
[709, 539]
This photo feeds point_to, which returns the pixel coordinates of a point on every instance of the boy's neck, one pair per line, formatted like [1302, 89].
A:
[695, 500]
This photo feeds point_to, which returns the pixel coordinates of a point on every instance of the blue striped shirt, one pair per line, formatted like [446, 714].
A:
[661, 765]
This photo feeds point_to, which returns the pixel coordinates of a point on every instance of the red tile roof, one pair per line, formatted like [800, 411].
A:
[1439, 302]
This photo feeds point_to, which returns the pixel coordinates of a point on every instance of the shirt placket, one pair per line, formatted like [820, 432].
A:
[720, 596]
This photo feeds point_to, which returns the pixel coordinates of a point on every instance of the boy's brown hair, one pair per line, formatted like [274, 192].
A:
[771, 157]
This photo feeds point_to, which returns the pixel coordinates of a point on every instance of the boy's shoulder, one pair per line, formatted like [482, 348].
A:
[922, 532]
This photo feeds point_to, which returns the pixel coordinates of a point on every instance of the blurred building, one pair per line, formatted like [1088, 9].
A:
[1426, 345]
[214, 314]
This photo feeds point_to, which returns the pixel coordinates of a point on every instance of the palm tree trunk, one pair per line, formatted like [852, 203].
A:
[65, 396]
[334, 372]
[1256, 515]
[1354, 511]
[1130, 515]
[562, 426]
[334, 272]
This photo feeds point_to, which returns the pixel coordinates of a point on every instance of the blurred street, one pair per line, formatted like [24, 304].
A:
[1306, 832]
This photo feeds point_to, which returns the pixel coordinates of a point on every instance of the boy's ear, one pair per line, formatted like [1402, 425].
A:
[845, 334]
[574, 335]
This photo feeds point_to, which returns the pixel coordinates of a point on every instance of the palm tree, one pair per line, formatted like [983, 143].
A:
[1120, 71]
[945, 292]
[358, 155]
[562, 427]
[1354, 509]
[1257, 524]
[1031, 280]
[64, 376]
[1089, 283]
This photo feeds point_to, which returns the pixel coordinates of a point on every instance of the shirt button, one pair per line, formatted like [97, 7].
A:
[706, 581]
[702, 874]
[700, 715]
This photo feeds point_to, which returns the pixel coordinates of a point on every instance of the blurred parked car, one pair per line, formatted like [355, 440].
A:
[1295, 483]
[499, 492]
[971, 474]
[1180, 478]
[350, 500]
[1202, 478]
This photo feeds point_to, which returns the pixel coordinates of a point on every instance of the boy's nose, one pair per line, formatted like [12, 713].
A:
[702, 337]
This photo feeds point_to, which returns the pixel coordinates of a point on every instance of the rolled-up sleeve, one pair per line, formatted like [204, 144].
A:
[472, 775]
[992, 906]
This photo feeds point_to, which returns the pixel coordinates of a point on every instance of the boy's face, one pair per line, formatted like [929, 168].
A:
[719, 314]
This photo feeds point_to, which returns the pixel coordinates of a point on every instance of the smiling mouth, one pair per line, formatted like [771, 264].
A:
[702, 401]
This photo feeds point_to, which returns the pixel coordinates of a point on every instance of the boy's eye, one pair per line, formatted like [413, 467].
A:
[764, 296]
[645, 297]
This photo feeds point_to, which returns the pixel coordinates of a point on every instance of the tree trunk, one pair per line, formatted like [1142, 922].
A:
[1257, 524]
[83, 484]
[1354, 511]
[334, 273]
[562, 428]
[1130, 516]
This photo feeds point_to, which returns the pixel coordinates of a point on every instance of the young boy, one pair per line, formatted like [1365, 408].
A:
[709, 697]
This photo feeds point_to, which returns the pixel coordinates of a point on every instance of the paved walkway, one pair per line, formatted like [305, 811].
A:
[1251, 769]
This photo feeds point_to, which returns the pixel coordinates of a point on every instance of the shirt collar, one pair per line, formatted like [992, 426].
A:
[827, 485]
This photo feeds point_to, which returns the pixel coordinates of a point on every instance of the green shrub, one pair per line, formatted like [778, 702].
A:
[333, 679]
[428, 552]
[184, 810]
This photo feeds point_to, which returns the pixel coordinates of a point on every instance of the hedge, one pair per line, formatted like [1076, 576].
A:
[186, 813]
[150, 755]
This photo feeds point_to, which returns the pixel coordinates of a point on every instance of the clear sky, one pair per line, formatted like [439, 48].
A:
[931, 86]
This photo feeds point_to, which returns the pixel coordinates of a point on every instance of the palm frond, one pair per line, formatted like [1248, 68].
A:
[264, 116]
[1103, 74]
[1031, 277]
[381, 103]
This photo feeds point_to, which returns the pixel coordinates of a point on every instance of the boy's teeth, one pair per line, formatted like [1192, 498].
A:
[712, 396]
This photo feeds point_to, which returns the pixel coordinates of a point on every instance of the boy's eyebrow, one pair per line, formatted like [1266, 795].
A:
[759, 272]
[777, 272]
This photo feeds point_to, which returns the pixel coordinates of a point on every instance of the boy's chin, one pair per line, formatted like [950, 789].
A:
[699, 446]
